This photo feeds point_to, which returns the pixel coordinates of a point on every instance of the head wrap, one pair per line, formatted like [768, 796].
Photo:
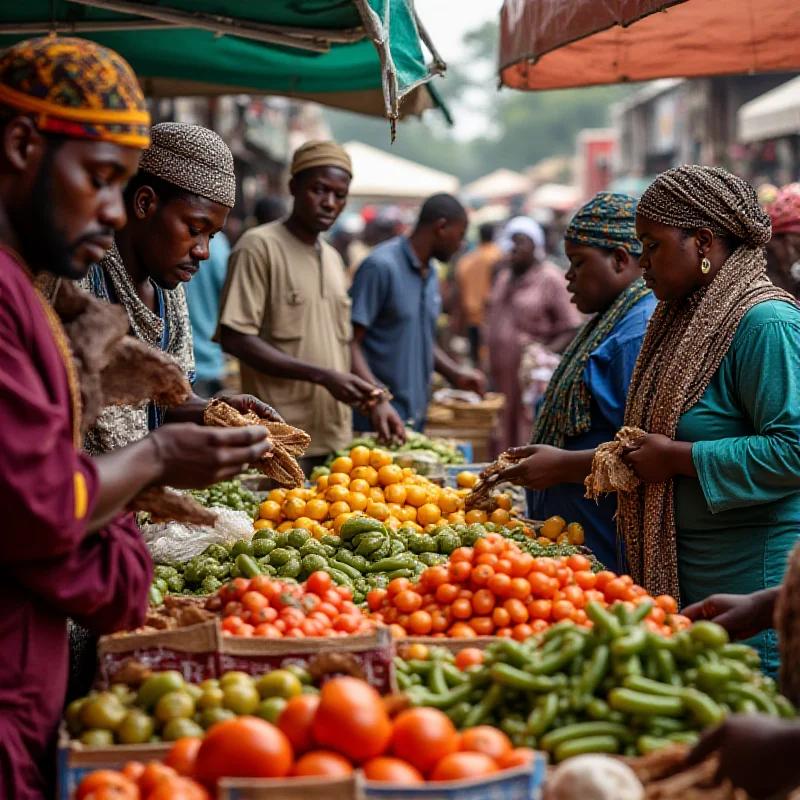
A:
[527, 227]
[607, 220]
[692, 197]
[784, 211]
[192, 158]
[321, 154]
[74, 88]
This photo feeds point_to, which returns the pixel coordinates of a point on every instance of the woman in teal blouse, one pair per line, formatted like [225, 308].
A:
[717, 388]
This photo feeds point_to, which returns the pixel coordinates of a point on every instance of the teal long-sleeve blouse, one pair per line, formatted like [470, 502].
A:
[737, 521]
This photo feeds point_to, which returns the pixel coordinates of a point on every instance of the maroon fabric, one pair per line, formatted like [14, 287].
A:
[49, 569]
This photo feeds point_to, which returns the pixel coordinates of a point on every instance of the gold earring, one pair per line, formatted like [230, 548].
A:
[705, 266]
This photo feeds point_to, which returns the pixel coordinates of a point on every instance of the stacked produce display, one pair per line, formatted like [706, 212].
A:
[439, 451]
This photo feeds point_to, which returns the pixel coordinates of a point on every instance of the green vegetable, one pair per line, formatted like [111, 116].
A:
[351, 572]
[263, 547]
[355, 525]
[581, 730]
[702, 707]
[709, 634]
[279, 556]
[521, 681]
[298, 537]
[292, 568]
[543, 714]
[247, 566]
[155, 597]
[588, 744]
[632, 702]
[242, 547]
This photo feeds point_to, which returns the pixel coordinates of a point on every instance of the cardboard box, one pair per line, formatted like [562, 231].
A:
[369, 657]
[192, 651]
[75, 760]
[350, 788]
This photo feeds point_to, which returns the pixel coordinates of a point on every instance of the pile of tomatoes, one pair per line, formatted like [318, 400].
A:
[262, 606]
[496, 589]
[344, 728]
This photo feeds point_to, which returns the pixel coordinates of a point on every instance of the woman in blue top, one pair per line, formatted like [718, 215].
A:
[585, 401]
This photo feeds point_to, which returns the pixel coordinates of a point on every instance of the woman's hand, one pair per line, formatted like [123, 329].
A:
[246, 402]
[656, 459]
[742, 615]
[540, 469]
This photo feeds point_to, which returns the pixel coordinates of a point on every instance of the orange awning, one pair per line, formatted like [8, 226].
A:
[556, 44]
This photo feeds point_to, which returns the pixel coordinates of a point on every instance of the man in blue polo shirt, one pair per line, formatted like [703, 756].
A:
[396, 304]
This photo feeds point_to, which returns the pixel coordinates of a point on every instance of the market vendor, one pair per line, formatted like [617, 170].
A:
[73, 122]
[175, 204]
[716, 388]
[285, 313]
[584, 404]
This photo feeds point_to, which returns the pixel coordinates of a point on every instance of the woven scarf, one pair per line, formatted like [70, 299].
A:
[566, 407]
[683, 348]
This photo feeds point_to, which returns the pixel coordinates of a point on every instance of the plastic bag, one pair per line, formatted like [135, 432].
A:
[174, 543]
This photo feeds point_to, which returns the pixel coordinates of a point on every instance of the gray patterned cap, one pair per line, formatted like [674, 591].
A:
[194, 159]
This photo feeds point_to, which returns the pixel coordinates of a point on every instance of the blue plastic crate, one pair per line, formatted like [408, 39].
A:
[524, 783]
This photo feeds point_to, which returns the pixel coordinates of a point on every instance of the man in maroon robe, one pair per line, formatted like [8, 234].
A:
[72, 124]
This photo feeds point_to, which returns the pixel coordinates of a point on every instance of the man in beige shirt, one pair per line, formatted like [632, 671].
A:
[474, 281]
[285, 312]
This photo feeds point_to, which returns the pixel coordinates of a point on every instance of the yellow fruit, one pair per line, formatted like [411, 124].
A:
[338, 479]
[317, 510]
[396, 493]
[466, 480]
[368, 474]
[456, 517]
[269, 509]
[390, 474]
[356, 501]
[563, 539]
[260, 524]
[408, 514]
[379, 458]
[393, 523]
[294, 508]
[394, 509]
[360, 456]
[318, 531]
[285, 526]
[341, 519]
[448, 502]
[322, 483]
[342, 464]
[416, 526]
[429, 514]
[299, 493]
[407, 472]
[376, 495]
[327, 525]
[377, 511]
[338, 508]
[553, 528]
[416, 495]
[475, 515]
[575, 532]
[277, 496]
[433, 495]
[503, 501]
[304, 522]
[336, 494]
[544, 541]
[359, 485]
[500, 516]
[515, 523]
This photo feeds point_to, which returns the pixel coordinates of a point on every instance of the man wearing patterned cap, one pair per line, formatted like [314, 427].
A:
[176, 203]
[584, 404]
[285, 312]
[73, 123]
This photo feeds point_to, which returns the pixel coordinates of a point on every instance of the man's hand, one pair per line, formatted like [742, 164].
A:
[246, 402]
[387, 424]
[742, 615]
[349, 388]
[539, 469]
[756, 753]
[192, 457]
[656, 459]
[471, 380]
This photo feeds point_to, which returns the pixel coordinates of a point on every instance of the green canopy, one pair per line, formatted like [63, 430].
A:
[361, 55]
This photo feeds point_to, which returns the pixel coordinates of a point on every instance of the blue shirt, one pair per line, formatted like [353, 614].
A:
[203, 293]
[608, 375]
[399, 308]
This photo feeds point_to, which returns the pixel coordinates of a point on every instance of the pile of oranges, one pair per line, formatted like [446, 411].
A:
[496, 589]
[368, 482]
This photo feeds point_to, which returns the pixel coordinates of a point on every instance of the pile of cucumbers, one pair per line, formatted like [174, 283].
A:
[617, 688]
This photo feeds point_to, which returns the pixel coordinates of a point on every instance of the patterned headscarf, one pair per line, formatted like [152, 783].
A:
[784, 210]
[194, 159]
[75, 88]
[685, 343]
[607, 220]
[320, 154]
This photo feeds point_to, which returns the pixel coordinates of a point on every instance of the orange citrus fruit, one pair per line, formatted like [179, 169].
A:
[294, 508]
[337, 508]
[379, 458]
[269, 509]
[448, 502]
[416, 495]
[369, 474]
[317, 510]
[499, 516]
[336, 494]
[304, 522]
[376, 495]
[377, 511]
[466, 480]
[322, 483]
[340, 520]
[277, 496]
[338, 479]
[476, 515]
[390, 474]
[503, 501]
[395, 493]
[359, 485]
[356, 501]
[342, 464]
[360, 456]
[429, 514]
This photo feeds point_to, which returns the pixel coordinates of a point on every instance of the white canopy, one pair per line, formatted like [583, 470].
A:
[557, 196]
[497, 185]
[774, 114]
[378, 175]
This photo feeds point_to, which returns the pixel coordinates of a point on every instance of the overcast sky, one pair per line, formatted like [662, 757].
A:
[447, 21]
